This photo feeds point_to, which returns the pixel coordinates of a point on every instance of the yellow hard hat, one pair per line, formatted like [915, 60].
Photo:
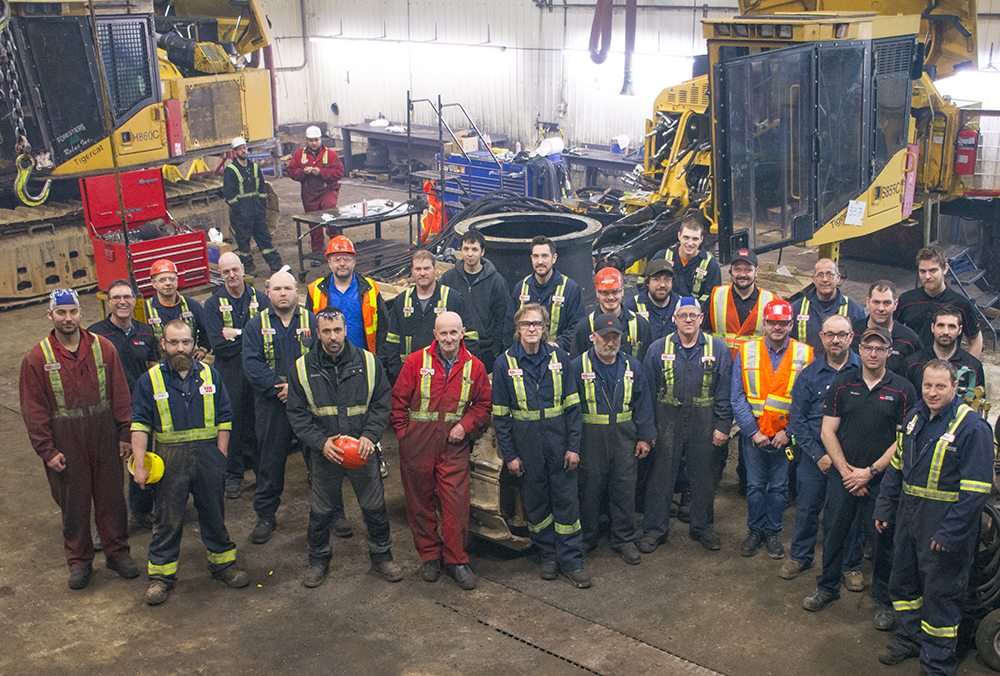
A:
[153, 463]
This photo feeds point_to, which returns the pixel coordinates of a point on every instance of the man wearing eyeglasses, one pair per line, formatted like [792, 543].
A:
[538, 423]
[881, 304]
[946, 327]
[821, 301]
[864, 409]
[167, 304]
[137, 349]
[610, 286]
[690, 373]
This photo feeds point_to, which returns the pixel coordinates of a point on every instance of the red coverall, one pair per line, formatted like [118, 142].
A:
[87, 438]
[427, 461]
[318, 192]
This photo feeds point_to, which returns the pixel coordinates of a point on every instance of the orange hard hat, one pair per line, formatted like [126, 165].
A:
[778, 310]
[349, 447]
[339, 244]
[608, 278]
[162, 265]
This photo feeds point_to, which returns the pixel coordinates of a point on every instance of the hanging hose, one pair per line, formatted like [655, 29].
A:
[600, 31]
[629, 46]
[25, 165]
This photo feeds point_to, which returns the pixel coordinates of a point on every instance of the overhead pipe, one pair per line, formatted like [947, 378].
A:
[305, 45]
[629, 47]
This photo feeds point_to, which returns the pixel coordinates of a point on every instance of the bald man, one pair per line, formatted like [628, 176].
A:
[819, 302]
[440, 404]
[225, 316]
[272, 342]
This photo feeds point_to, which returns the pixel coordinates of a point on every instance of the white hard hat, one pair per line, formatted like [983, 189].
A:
[239, 141]
[313, 132]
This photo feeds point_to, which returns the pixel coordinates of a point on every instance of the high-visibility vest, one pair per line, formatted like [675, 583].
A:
[726, 322]
[555, 311]
[325, 155]
[156, 322]
[243, 193]
[803, 318]
[669, 356]
[408, 295]
[227, 309]
[700, 273]
[323, 411]
[590, 414]
[770, 392]
[52, 367]
[434, 217]
[633, 332]
[267, 332]
[166, 434]
[522, 412]
[369, 306]
[423, 412]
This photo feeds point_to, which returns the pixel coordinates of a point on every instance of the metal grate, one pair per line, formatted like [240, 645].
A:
[125, 53]
[893, 57]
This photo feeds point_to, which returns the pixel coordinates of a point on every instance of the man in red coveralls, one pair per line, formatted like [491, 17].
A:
[75, 403]
[319, 171]
[441, 402]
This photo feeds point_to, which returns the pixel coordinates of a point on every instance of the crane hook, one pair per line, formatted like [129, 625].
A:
[25, 165]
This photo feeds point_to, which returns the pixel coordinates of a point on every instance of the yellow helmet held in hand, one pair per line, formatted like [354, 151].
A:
[153, 463]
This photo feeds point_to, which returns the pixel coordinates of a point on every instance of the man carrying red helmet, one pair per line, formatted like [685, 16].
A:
[610, 286]
[763, 377]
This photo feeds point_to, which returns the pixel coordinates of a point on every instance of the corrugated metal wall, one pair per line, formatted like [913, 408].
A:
[505, 62]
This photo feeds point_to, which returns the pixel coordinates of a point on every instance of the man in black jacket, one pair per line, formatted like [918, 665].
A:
[244, 192]
[339, 390]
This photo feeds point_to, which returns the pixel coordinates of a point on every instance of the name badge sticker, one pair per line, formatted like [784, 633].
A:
[207, 389]
[588, 375]
[187, 315]
[154, 320]
[628, 373]
[439, 310]
[267, 332]
[524, 298]
[407, 311]
[700, 272]
[708, 358]
[162, 395]
[53, 367]
[558, 299]
[225, 308]
[426, 372]
[644, 314]
[555, 367]
[668, 357]
[950, 438]
[802, 318]
[515, 372]
[911, 425]
[254, 304]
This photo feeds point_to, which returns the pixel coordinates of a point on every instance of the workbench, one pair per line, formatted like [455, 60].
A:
[420, 136]
[595, 160]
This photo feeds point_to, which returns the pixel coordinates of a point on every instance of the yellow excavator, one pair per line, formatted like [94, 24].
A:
[166, 82]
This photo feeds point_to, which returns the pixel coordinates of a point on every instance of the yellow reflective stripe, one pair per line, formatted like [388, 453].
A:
[392, 338]
[567, 529]
[589, 389]
[472, 335]
[372, 303]
[930, 493]
[719, 314]
[226, 426]
[908, 605]
[526, 415]
[804, 310]
[896, 461]
[208, 400]
[157, 327]
[556, 310]
[539, 527]
[408, 341]
[842, 310]
[751, 373]
[667, 396]
[699, 280]
[199, 434]
[55, 380]
[501, 410]
[162, 400]
[524, 292]
[425, 382]
[300, 368]
[596, 419]
[623, 417]
[940, 632]
[519, 392]
[424, 416]
[627, 395]
[165, 569]
[370, 367]
[633, 333]
[557, 383]
[139, 427]
[706, 379]
[443, 299]
[463, 397]
[669, 256]
[974, 486]
[571, 400]
[265, 322]
[222, 557]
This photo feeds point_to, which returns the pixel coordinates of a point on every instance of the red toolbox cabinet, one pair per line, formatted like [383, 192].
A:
[145, 200]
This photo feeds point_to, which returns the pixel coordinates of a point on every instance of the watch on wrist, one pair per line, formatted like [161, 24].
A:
[874, 470]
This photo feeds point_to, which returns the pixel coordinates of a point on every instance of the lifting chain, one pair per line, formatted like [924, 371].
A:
[25, 162]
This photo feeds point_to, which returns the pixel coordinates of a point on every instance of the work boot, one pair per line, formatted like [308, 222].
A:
[647, 544]
[431, 570]
[262, 531]
[233, 576]
[549, 570]
[79, 578]
[772, 542]
[854, 581]
[630, 554]
[790, 569]
[233, 487]
[125, 567]
[708, 539]
[885, 617]
[895, 653]
[342, 528]
[462, 575]
[388, 570]
[579, 578]
[752, 543]
[157, 593]
[315, 575]
[818, 600]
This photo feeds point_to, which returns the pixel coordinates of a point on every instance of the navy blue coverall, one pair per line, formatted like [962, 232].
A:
[560, 296]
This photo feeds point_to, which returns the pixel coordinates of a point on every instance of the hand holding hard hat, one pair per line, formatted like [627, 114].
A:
[150, 473]
[347, 451]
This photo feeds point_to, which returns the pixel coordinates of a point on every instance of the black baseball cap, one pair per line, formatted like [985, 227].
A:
[744, 255]
[878, 332]
[606, 322]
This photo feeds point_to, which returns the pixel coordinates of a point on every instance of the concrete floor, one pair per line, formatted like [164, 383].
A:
[682, 611]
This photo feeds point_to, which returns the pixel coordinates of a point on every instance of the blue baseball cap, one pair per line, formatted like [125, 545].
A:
[63, 297]
[687, 301]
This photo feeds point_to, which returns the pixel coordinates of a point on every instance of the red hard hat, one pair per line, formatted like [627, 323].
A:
[349, 447]
[608, 278]
[778, 310]
[162, 265]
[339, 244]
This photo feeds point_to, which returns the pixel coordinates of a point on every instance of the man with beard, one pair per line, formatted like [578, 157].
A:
[136, 347]
[736, 313]
[697, 271]
[618, 428]
[338, 390]
[946, 327]
[823, 300]
[656, 303]
[74, 401]
[881, 304]
[183, 405]
[226, 315]
[272, 341]
[319, 170]
[166, 305]
[245, 192]
[557, 293]
[610, 287]
[440, 405]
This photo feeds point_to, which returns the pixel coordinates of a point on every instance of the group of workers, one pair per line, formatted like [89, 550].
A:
[608, 412]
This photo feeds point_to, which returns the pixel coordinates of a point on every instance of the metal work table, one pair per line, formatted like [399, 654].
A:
[595, 160]
[420, 135]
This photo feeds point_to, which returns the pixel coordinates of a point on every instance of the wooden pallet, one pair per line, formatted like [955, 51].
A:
[370, 175]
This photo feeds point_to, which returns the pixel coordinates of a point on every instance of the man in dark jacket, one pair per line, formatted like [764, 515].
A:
[244, 192]
[339, 390]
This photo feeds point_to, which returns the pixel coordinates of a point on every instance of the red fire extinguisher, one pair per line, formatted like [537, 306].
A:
[965, 152]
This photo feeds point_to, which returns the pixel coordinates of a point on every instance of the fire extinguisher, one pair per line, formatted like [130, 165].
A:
[965, 152]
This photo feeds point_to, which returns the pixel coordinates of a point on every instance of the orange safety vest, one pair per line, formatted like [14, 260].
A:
[770, 392]
[726, 323]
[369, 306]
[434, 216]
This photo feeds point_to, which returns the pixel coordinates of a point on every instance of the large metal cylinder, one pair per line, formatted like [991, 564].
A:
[508, 244]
